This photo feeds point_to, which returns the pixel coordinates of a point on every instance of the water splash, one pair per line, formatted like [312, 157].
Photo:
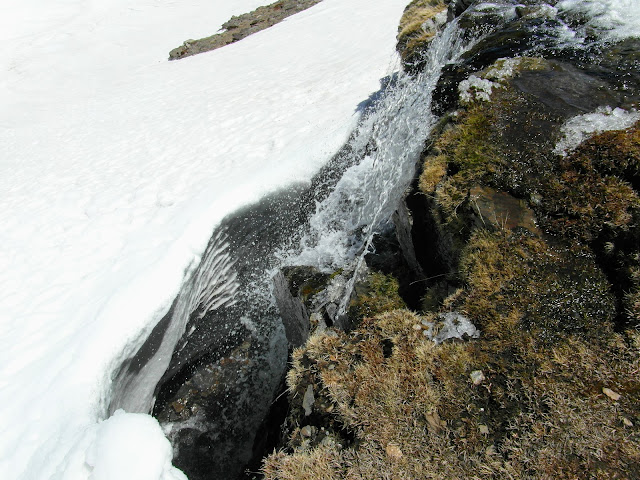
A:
[612, 19]
[344, 225]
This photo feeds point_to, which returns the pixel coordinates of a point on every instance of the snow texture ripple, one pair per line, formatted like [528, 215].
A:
[212, 285]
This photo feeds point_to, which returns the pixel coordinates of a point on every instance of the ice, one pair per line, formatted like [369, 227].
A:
[579, 128]
[117, 165]
[476, 88]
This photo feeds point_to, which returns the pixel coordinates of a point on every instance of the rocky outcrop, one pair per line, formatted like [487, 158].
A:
[523, 225]
[241, 26]
[420, 22]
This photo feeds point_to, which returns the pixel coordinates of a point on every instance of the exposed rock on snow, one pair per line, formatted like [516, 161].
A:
[241, 26]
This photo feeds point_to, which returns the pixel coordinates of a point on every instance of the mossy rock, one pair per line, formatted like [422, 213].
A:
[500, 145]
[397, 405]
[533, 397]
[548, 291]
[419, 25]
[378, 294]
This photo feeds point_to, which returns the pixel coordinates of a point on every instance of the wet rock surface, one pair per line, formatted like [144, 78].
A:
[241, 26]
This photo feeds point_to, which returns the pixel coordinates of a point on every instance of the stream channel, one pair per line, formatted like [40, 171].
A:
[224, 335]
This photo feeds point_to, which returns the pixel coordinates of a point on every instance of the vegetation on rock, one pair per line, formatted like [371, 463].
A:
[390, 403]
[419, 25]
[241, 26]
[378, 295]
[542, 252]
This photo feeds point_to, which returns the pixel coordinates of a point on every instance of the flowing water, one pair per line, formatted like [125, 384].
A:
[226, 309]
[387, 146]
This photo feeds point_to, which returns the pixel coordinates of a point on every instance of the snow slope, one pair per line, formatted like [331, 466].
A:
[114, 169]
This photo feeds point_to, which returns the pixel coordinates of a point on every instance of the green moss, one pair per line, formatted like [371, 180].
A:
[594, 199]
[434, 169]
[519, 283]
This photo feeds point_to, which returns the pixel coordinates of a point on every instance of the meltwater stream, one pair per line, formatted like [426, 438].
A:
[214, 363]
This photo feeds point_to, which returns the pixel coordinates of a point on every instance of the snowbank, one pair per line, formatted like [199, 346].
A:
[116, 165]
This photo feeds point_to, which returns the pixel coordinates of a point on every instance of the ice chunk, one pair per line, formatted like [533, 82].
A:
[131, 446]
[581, 127]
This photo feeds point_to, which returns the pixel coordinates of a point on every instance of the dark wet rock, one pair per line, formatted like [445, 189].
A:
[458, 6]
[309, 299]
[497, 210]
[239, 27]
[403, 222]
[565, 90]
[536, 11]
[292, 288]
[212, 437]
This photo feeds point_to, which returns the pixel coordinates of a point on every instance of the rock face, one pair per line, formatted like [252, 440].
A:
[524, 224]
[239, 27]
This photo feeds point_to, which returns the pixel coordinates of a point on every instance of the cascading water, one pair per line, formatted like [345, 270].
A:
[341, 231]
[366, 181]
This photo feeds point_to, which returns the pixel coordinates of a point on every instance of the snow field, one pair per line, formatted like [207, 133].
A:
[117, 165]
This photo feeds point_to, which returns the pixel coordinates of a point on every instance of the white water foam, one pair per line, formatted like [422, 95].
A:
[616, 19]
[344, 225]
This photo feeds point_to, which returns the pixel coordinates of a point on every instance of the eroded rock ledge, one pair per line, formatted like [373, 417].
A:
[537, 248]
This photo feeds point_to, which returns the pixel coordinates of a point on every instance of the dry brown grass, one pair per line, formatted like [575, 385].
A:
[434, 169]
[396, 405]
[411, 35]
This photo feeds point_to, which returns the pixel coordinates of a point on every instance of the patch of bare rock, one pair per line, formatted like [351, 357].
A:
[241, 26]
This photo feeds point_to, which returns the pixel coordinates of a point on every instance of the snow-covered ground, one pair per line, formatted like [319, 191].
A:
[115, 167]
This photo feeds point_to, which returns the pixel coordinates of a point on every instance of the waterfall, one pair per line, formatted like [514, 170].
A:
[227, 301]
[389, 140]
